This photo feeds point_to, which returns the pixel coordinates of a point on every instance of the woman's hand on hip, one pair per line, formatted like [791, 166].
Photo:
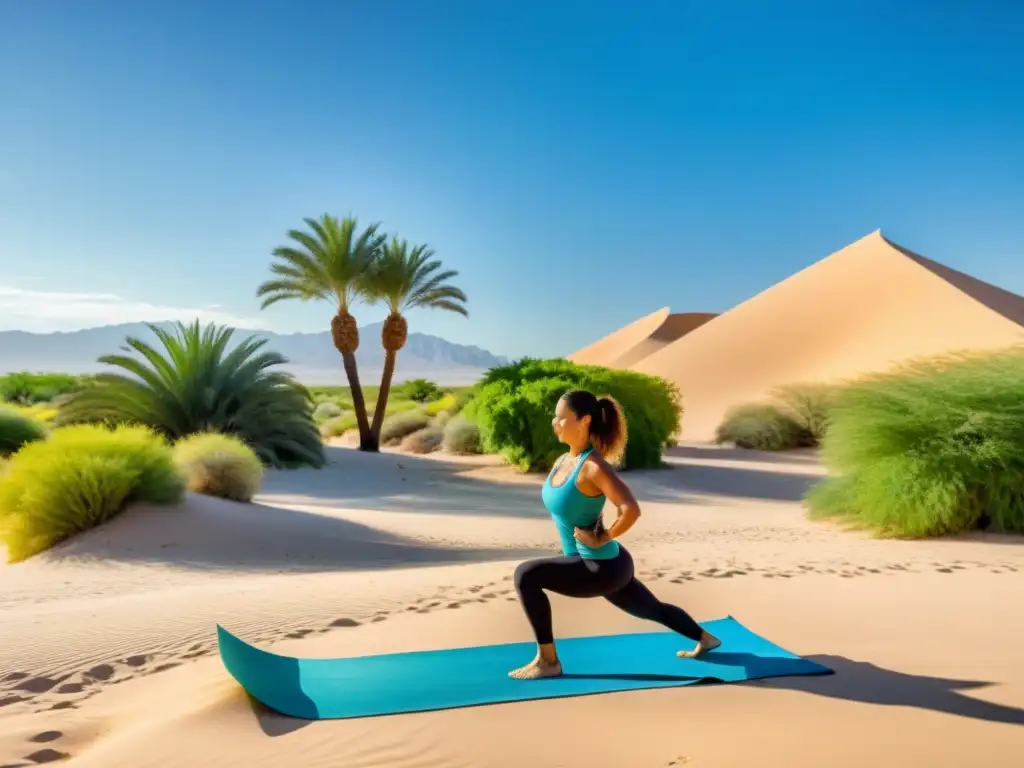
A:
[589, 539]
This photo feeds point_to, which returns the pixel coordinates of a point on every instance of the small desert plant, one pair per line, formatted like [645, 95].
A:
[808, 405]
[219, 465]
[933, 447]
[762, 427]
[461, 436]
[78, 478]
[16, 430]
[401, 425]
[426, 440]
[446, 403]
[339, 425]
[325, 411]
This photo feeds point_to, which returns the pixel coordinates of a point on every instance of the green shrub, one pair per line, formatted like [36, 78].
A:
[401, 425]
[426, 440]
[16, 430]
[219, 465]
[514, 404]
[461, 437]
[808, 405]
[762, 427]
[419, 390]
[199, 385]
[339, 425]
[78, 478]
[29, 388]
[325, 411]
[934, 447]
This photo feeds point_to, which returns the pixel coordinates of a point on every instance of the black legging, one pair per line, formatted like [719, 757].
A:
[611, 579]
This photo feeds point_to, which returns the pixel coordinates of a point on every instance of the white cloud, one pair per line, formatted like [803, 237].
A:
[44, 311]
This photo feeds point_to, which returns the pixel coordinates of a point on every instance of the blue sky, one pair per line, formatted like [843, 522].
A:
[559, 155]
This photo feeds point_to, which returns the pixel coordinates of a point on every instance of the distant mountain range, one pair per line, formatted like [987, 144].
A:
[312, 357]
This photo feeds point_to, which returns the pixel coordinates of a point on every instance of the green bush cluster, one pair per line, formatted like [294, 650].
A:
[795, 417]
[514, 403]
[78, 478]
[26, 388]
[931, 448]
[16, 430]
[219, 465]
[418, 390]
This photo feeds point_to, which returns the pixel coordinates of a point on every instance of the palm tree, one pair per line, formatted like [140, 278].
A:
[406, 279]
[198, 385]
[330, 263]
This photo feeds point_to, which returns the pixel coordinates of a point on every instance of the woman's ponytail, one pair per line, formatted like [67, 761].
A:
[608, 430]
[609, 436]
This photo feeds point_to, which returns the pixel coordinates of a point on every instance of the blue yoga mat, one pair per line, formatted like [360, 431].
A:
[419, 681]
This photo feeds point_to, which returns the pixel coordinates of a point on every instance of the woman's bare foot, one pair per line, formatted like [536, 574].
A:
[537, 669]
[706, 643]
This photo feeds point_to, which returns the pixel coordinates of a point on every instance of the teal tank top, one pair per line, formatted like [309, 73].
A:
[571, 509]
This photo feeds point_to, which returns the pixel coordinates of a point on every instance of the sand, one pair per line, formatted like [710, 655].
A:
[630, 344]
[862, 309]
[108, 644]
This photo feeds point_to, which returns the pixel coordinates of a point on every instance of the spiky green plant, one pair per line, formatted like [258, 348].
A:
[198, 384]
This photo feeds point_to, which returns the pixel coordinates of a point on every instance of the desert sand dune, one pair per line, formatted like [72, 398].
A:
[109, 654]
[640, 339]
[864, 308]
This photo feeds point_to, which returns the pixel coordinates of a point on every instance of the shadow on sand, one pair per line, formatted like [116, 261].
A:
[214, 534]
[867, 683]
[722, 453]
[856, 681]
[392, 482]
[695, 483]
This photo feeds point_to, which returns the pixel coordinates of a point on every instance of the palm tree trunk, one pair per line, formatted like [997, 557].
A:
[366, 440]
[382, 396]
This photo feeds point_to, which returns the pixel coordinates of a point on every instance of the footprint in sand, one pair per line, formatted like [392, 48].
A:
[46, 737]
[345, 623]
[454, 605]
[376, 619]
[101, 672]
[944, 570]
[44, 756]
[39, 684]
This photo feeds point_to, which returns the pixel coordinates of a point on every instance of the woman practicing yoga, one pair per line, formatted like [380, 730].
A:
[593, 563]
